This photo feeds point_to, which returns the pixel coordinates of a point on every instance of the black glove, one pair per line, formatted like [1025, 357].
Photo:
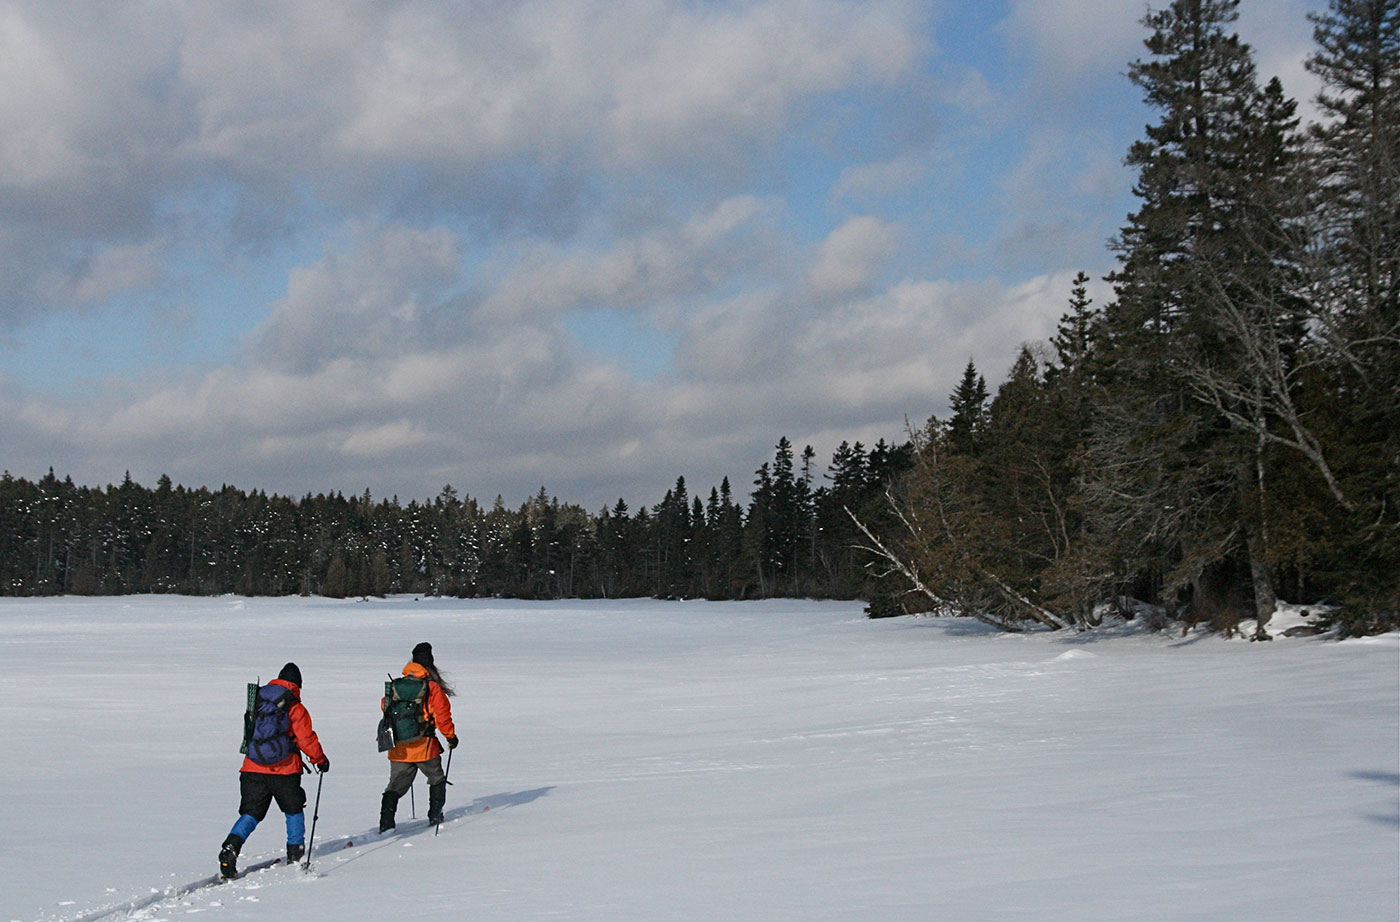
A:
[324, 765]
[452, 742]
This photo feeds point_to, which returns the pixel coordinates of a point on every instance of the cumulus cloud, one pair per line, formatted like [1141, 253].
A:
[371, 301]
[718, 70]
[115, 117]
[849, 258]
[642, 271]
[35, 92]
[336, 384]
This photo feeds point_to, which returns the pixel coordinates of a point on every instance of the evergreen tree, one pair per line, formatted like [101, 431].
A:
[758, 542]
[1357, 164]
[616, 551]
[729, 544]
[968, 403]
[780, 502]
[1203, 253]
[1073, 339]
[674, 534]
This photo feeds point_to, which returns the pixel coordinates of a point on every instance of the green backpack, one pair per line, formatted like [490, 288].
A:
[404, 719]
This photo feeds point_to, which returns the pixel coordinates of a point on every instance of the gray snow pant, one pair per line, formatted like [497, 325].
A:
[401, 775]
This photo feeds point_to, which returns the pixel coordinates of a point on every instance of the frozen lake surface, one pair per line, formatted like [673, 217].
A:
[648, 761]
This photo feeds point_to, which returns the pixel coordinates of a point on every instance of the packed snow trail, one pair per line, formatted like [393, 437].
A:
[335, 847]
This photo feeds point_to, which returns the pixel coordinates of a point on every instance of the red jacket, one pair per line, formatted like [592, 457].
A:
[437, 709]
[302, 735]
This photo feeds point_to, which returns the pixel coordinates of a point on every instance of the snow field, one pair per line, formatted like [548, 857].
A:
[657, 761]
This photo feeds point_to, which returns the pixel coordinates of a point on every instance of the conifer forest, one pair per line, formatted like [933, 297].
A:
[1222, 433]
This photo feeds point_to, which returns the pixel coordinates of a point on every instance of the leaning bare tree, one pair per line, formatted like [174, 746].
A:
[947, 546]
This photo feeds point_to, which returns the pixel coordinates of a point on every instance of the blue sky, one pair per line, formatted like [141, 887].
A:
[345, 245]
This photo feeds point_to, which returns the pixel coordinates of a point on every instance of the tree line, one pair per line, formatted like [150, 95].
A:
[791, 538]
[1223, 432]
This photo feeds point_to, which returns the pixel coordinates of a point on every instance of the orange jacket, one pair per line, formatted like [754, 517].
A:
[437, 709]
[302, 735]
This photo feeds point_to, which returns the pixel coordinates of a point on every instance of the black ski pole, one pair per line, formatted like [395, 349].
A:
[447, 771]
[315, 815]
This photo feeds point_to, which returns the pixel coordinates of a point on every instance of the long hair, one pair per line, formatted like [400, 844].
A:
[436, 676]
[423, 656]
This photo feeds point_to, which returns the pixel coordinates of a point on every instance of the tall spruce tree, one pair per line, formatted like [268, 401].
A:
[1175, 480]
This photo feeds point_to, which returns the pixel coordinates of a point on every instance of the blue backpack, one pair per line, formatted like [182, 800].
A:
[267, 725]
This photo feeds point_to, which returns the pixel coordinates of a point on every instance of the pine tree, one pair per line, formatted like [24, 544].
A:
[1206, 254]
[673, 538]
[968, 403]
[1073, 339]
[729, 544]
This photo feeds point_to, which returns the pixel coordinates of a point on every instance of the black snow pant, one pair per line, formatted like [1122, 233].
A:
[257, 791]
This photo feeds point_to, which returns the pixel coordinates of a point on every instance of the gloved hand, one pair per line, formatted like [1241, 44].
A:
[324, 765]
[452, 742]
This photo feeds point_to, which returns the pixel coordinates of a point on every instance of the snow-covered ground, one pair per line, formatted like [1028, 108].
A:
[706, 761]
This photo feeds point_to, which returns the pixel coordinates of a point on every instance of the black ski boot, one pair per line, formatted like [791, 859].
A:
[437, 797]
[228, 857]
[387, 807]
[295, 852]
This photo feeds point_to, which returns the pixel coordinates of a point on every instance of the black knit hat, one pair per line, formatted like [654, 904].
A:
[290, 673]
[423, 654]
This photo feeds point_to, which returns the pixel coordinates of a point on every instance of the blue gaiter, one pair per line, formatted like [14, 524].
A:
[296, 828]
[244, 827]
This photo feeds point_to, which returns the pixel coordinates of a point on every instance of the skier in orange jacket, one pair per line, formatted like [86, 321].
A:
[424, 752]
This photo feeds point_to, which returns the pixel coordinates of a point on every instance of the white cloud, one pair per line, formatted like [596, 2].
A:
[372, 301]
[639, 272]
[879, 179]
[36, 98]
[515, 406]
[707, 73]
[849, 258]
[119, 119]
[385, 441]
[623, 82]
[111, 271]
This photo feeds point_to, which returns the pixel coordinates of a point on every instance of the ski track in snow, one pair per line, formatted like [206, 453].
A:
[214, 891]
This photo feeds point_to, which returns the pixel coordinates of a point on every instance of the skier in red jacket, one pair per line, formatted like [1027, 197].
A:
[281, 733]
